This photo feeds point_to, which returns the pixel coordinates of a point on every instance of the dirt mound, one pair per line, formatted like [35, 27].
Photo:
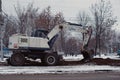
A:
[95, 61]
[108, 61]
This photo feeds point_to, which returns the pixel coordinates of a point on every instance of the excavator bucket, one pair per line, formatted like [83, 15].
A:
[85, 51]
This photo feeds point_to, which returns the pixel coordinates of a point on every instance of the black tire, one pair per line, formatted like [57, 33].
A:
[17, 59]
[51, 59]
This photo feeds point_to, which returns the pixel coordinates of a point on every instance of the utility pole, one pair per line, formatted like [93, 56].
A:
[1, 26]
[0, 6]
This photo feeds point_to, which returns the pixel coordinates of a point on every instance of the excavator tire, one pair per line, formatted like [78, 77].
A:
[51, 59]
[17, 59]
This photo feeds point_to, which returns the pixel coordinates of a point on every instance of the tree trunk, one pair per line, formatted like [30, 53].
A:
[96, 44]
[99, 47]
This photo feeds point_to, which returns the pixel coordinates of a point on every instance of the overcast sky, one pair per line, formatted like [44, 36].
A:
[69, 8]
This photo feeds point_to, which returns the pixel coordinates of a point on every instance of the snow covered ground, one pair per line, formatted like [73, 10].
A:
[61, 69]
[56, 69]
[104, 56]
[111, 56]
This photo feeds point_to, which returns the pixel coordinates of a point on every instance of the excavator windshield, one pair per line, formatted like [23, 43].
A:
[40, 33]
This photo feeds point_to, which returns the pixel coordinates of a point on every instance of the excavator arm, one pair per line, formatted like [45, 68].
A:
[86, 32]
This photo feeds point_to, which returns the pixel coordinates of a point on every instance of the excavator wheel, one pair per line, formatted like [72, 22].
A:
[17, 59]
[51, 59]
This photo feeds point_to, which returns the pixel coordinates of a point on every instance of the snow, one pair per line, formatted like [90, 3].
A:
[73, 58]
[55, 69]
[104, 56]
[109, 55]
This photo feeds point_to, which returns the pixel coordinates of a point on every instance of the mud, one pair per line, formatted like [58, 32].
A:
[95, 61]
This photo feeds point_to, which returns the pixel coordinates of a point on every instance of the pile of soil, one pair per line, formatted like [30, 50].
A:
[95, 61]
[108, 61]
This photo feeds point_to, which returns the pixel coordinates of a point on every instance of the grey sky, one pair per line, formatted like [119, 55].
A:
[69, 8]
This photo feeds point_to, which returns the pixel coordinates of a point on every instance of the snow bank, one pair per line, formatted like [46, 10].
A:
[80, 57]
[111, 56]
[73, 58]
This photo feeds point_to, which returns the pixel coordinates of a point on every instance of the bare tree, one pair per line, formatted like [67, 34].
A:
[83, 18]
[72, 46]
[103, 18]
[10, 29]
[59, 18]
[26, 18]
[47, 20]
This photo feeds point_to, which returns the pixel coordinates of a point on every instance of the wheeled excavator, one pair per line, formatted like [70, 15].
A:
[40, 43]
